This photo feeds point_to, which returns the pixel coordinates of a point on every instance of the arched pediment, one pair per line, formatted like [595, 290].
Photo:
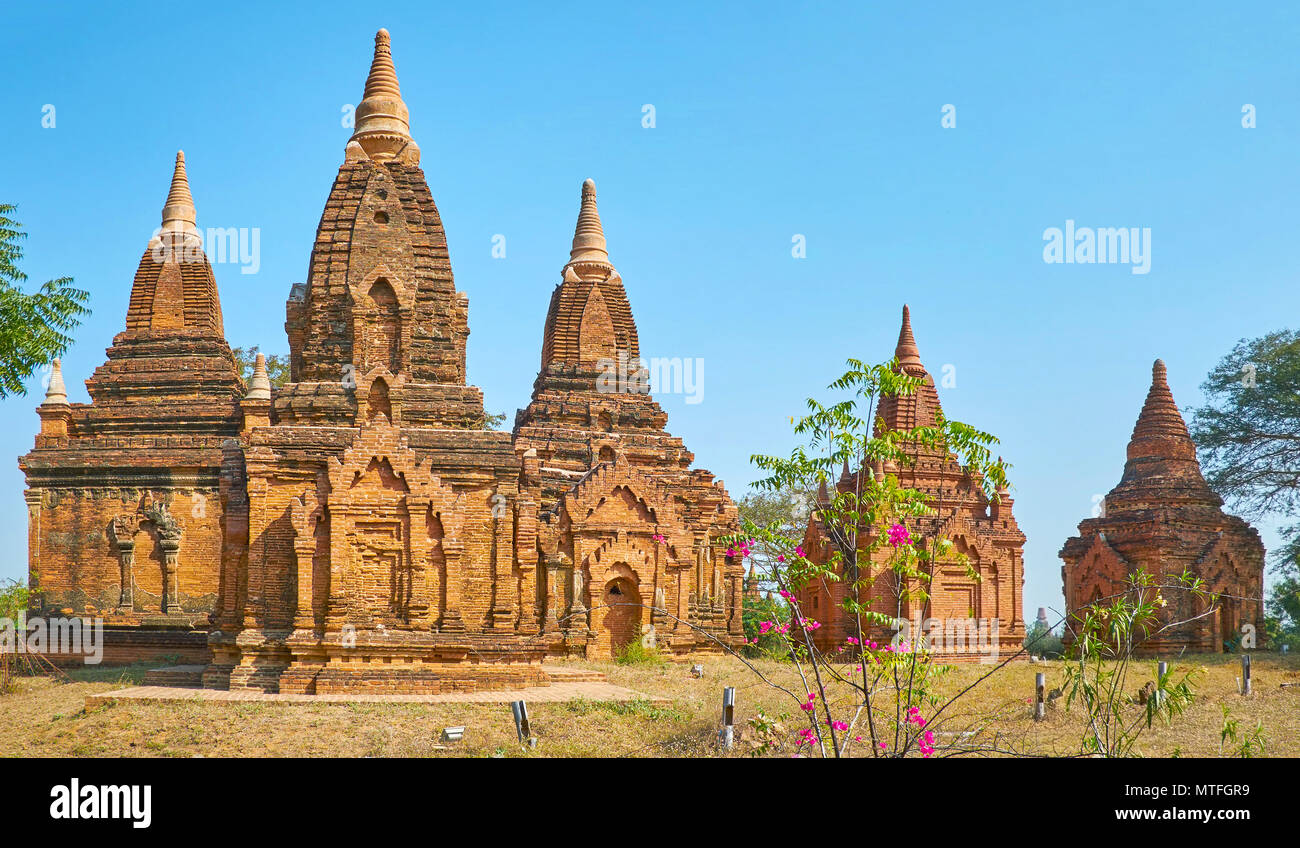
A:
[1100, 572]
[380, 459]
[616, 494]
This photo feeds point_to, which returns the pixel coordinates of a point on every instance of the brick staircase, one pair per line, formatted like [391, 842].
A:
[188, 676]
[559, 674]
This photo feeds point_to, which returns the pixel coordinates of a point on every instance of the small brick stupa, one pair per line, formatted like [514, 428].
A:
[1163, 518]
[959, 617]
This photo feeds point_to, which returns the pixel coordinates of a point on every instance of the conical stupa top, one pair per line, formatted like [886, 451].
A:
[907, 352]
[589, 236]
[178, 213]
[57, 392]
[382, 81]
[1161, 471]
[1160, 431]
[260, 386]
[383, 123]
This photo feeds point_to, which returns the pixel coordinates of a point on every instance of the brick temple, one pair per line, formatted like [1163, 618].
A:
[964, 619]
[358, 529]
[1163, 518]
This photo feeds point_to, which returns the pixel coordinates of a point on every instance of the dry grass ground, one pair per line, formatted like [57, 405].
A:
[47, 718]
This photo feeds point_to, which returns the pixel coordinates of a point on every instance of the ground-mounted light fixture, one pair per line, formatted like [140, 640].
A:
[453, 734]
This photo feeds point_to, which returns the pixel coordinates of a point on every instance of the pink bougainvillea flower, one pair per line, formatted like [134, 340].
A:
[840, 725]
[898, 535]
[780, 557]
[798, 551]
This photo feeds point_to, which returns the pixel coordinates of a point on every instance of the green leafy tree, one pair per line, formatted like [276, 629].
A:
[34, 328]
[1247, 436]
[787, 510]
[277, 366]
[1041, 641]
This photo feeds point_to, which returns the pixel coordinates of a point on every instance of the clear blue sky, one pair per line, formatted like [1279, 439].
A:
[772, 120]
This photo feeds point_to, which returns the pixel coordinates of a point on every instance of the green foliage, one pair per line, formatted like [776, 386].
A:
[277, 366]
[14, 598]
[1245, 432]
[1233, 742]
[768, 734]
[34, 328]
[1282, 623]
[1040, 641]
[635, 653]
[1245, 437]
[1108, 632]
[493, 420]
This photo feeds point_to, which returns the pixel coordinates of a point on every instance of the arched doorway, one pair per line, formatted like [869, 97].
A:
[622, 608]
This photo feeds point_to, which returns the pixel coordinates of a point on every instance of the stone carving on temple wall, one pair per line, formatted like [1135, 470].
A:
[152, 514]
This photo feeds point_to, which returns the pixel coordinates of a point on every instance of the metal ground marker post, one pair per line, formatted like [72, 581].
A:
[727, 734]
[525, 733]
[1162, 668]
[1245, 674]
[1040, 691]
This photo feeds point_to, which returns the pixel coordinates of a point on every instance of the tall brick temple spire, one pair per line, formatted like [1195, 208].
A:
[173, 352]
[1161, 459]
[589, 319]
[174, 289]
[379, 328]
[920, 408]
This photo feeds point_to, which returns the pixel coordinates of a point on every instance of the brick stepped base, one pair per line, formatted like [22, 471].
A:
[187, 676]
[575, 675]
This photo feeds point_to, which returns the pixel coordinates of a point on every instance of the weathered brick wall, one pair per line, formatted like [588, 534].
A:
[75, 560]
